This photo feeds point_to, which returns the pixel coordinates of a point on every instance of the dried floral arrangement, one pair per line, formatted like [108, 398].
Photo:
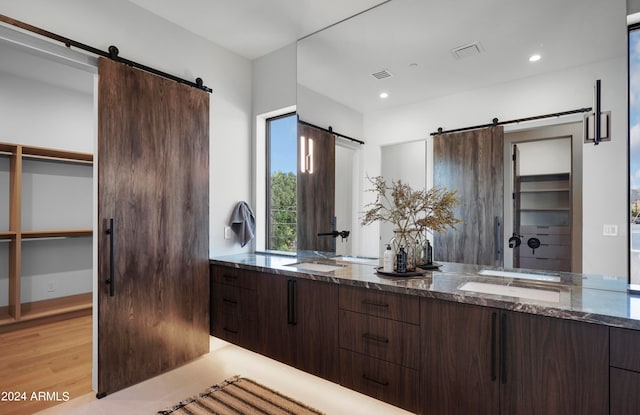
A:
[411, 211]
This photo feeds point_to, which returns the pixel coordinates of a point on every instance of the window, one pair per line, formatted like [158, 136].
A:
[282, 167]
[634, 152]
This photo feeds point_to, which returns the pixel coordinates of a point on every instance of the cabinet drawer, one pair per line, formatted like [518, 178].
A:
[231, 328]
[382, 380]
[545, 251]
[389, 340]
[380, 304]
[545, 230]
[548, 239]
[234, 300]
[547, 264]
[233, 276]
[625, 349]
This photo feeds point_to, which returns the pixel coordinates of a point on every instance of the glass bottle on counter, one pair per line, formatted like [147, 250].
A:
[401, 260]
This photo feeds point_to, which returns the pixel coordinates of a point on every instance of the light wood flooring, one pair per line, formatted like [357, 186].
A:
[53, 358]
[57, 358]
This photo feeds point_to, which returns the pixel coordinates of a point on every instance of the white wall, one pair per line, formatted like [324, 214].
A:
[605, 173]
[274, 80]
[545, 157]
[324, 112]
[153, 41]
[274, 93]
[44, 115]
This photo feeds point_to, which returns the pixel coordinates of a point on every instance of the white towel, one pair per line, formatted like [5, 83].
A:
[243, 222]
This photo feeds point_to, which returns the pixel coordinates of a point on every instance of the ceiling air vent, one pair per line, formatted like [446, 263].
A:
[382, 74]
[467, 51]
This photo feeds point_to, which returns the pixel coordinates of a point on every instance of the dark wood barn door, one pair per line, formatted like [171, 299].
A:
[472, 163]
[316, 191]
[153, 209]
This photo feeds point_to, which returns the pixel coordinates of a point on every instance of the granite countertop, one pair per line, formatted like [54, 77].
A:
[596, 299]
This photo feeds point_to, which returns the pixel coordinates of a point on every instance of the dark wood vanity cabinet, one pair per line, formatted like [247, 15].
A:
[233, 300]
[482, 360]
[379, 345]
[625, 371]
[425, 355]
[298, 323]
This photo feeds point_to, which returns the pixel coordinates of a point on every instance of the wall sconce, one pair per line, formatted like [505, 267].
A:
[597, 124]
[306, 155]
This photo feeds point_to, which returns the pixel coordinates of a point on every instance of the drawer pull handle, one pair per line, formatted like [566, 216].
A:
[230, 331]
[232, 302]
[374, 338]
[375, 304]
[230, 277]
[376, 381]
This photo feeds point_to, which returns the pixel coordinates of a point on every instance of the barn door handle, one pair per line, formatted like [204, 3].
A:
[494, 346]
[292, 317]
[111, 281]
[498, 237]
[503, 348]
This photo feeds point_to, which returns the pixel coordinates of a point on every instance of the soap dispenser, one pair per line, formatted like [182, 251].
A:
[387, 261]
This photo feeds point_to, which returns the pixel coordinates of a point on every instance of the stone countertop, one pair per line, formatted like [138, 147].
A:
[596, 299]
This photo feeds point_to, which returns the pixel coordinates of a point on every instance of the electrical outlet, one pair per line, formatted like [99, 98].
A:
[51, 286]
[227, 232]
[609, 230]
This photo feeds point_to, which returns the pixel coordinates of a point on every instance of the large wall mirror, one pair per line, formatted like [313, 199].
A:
[463, 63]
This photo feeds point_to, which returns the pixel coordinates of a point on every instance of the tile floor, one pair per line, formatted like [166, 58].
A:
[223, 361]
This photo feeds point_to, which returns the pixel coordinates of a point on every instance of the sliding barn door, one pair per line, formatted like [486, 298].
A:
[316, 189]
[471, 162]
[153, 167]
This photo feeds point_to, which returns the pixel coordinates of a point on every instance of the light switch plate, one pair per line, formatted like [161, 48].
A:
[609, 230]
[227, 232]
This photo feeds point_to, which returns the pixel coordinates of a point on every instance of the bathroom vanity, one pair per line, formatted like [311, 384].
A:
[463, 339]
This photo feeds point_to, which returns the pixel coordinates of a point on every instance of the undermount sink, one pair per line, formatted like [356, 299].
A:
[550, 296]
[356, 259]
[315, 266]
[521, 275]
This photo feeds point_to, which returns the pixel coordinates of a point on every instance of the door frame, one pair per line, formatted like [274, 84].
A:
[540, 131]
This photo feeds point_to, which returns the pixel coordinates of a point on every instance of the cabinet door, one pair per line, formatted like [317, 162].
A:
[298, 323]
[277, 328]
[459, 372]
[554, 366]
[625, 385]
[318, 343]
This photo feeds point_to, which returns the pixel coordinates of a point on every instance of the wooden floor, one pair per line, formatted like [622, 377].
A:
[42, 366]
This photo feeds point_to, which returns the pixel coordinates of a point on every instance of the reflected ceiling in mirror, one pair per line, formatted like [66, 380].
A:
[407, 48]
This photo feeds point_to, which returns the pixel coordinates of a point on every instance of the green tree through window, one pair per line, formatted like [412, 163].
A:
[282, 180]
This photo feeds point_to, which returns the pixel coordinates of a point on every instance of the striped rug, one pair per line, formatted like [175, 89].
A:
[240, 396]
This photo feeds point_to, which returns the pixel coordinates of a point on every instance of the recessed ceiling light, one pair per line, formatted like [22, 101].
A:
[534, 58]
[384, 95]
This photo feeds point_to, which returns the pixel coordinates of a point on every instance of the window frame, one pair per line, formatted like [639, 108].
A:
[269, 227]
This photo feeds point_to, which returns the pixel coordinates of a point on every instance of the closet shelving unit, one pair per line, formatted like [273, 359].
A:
[543, 211]
[17, 311]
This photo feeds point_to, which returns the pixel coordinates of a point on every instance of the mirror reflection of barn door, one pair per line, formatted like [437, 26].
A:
[153, 226]
[471, 162]
[316, 189]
